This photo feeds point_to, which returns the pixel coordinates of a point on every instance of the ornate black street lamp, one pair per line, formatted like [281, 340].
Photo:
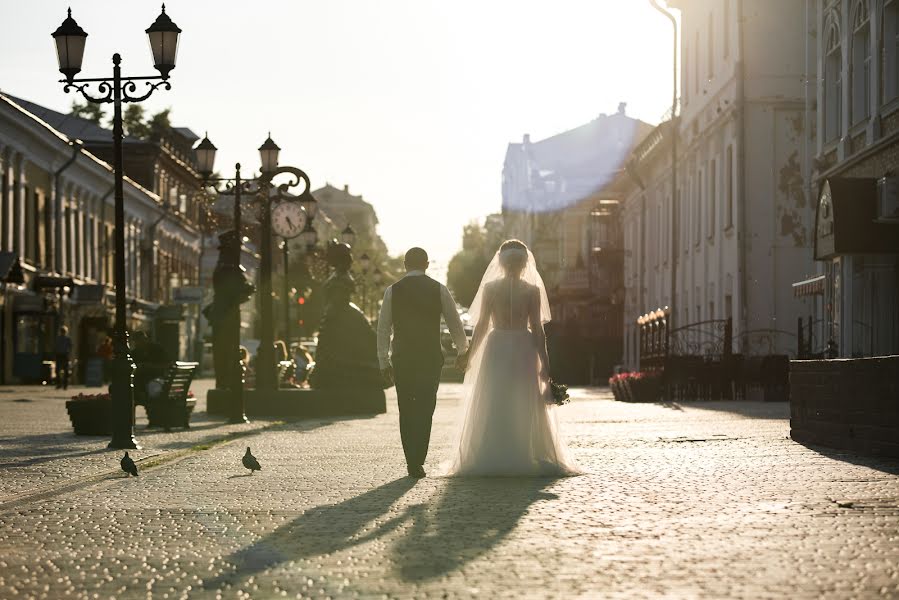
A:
[294, 219]
[348, 235]
[70, 41]
[235, 187]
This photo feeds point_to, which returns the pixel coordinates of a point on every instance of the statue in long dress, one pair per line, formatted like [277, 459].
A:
[347, 354]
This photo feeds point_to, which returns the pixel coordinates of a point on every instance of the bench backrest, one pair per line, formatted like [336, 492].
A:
[178, 380]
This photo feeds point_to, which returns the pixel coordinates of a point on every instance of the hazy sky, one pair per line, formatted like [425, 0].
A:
[410, 102]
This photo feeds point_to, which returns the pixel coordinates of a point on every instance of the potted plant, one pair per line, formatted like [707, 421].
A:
[90, 413]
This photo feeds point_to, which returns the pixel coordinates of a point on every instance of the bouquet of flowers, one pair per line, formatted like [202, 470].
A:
[558, 393]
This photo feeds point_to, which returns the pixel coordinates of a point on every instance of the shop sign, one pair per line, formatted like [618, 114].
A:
[188, 295]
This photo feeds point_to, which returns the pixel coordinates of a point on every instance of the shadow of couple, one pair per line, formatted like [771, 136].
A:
[469, 517]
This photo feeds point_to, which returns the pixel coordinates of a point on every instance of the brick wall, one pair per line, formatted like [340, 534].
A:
[851, 404]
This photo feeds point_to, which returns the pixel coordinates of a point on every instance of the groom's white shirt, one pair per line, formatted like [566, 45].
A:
[450, 315]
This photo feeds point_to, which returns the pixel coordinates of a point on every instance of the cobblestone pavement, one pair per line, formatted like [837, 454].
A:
[696, 500]
[39, 451]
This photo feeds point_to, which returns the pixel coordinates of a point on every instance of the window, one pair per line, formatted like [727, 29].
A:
[696, 64]
[728, 306]
[725, 29]
[711, 49]
[659, 246]
[697, 206]
[713, 196]
[861, 62]
[890, 50]
[833, 80]
[729, 188]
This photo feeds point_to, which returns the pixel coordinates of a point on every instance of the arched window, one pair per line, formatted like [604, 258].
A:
[833, 78]
[861, 62]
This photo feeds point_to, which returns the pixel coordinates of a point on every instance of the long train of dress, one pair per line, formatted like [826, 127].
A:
[508, 427]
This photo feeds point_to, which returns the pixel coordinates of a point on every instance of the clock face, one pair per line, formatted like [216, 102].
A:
[288, 219]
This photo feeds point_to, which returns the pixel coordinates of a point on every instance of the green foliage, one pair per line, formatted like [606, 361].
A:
[88, 110]
[138, 125]
[467, 267]
[133, 122]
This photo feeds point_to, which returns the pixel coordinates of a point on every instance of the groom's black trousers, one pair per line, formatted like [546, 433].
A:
[416, 391]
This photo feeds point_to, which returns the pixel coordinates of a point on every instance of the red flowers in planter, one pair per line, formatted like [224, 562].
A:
[90, 398]
[637, 386]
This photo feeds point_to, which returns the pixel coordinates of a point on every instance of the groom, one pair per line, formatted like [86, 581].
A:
[412, 309]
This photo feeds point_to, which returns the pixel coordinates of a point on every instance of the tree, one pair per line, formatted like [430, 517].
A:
[138, 125]
[466, 268]
[133, 122]
[90, 111]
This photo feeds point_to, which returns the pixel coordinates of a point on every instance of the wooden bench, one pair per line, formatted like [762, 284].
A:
[171, 407]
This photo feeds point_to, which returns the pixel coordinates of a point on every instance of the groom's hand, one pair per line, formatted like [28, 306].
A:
[462, 361]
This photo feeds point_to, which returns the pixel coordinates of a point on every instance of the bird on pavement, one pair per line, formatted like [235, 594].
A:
[128, 465]
[250, 462]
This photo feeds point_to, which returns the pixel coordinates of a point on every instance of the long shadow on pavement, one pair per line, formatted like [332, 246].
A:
[471, 517]
[878, 463]
[320, 531]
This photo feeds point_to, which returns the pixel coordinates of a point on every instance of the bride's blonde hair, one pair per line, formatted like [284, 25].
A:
[513, 256]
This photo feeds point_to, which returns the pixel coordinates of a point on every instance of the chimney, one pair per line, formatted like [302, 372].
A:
[346, 188]
[527, 139]
[621, 107]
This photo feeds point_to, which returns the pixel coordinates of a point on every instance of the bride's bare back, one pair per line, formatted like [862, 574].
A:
[513, 304]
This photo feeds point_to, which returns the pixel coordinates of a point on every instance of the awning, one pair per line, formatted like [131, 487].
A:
[809, 287]
[11, 268]
[49, 282]
[846, 220]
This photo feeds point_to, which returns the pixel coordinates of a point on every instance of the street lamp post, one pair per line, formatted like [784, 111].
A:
[286, 292]
[70, 41]
[364, 262]
[266, 369]
[236, 187]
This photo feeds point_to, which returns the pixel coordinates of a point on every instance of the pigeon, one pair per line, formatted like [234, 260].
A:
[128, 465]
[250, 462]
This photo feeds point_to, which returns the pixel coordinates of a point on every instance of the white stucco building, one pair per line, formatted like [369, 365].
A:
[738, 232]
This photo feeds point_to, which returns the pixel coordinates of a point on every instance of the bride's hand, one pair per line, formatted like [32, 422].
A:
[544, 373]
[462, 362]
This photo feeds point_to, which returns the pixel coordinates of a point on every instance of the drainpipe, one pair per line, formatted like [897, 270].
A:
[102, 247]
[673, 132]
[57, 206]
[743, 279]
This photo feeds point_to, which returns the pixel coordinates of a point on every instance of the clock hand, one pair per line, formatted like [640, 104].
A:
[289, 222]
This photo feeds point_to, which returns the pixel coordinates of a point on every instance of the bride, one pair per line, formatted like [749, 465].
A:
[508, 426]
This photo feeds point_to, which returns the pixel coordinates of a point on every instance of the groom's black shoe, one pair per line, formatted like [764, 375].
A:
[417, 471]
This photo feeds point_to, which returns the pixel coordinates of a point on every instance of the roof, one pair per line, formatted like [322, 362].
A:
[186, 133]
[597, 147]
[574, 164]
[14, 104]
[72, 126]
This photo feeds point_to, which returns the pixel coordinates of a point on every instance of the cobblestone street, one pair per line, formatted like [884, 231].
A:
[696, 500]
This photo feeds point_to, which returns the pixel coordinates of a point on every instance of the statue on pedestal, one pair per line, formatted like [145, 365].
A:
[347, 355]
[231, 289]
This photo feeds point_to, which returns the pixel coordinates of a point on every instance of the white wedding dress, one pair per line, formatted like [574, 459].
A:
[507, 426]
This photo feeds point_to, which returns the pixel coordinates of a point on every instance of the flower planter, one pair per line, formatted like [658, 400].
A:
[90, 414]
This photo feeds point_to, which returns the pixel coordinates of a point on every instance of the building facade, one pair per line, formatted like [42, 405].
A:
[56, 229]
[739, 229]
[854, 178]
[560, 196]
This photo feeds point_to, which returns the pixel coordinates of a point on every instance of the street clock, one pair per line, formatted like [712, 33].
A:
[288, 220]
